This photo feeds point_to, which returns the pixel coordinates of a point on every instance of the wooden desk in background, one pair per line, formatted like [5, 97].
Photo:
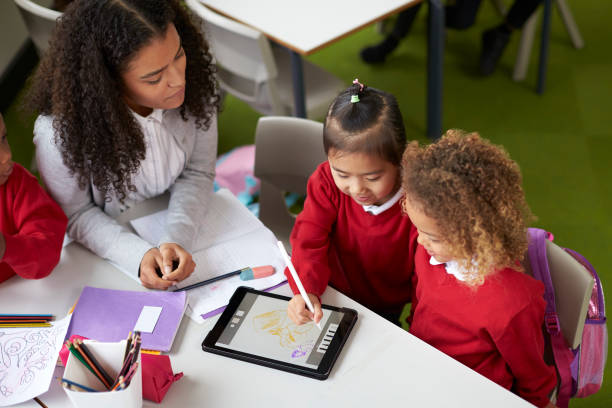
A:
[305, 27]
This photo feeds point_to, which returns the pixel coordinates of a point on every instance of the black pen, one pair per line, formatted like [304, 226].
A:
[245, 274]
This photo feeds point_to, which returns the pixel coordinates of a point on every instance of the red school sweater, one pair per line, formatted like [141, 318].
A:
[33, 226]
[369, 258]
[495, 328]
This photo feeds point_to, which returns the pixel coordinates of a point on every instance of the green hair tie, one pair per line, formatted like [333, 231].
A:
[354, 98]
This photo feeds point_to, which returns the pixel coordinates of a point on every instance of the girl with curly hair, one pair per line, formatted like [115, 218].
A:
[128, 110]
[472, 299]
[352, 233]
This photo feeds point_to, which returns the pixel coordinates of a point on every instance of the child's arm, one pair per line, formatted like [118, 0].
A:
[312, 234]
[522, 347]
[35, 249]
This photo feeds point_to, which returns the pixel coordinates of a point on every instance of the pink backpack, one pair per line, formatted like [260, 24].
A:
[580, 370]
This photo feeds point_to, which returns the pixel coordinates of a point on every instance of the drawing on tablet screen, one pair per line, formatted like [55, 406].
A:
[290, 335]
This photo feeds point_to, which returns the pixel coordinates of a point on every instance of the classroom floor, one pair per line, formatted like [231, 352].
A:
[561, 139]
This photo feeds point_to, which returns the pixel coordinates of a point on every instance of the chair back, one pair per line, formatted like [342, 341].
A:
[287, 151]
[40, 22]
[573, 285]
[244, 58]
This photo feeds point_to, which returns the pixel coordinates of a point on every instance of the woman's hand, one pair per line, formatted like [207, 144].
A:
[171, 252]
[149, 265]
[298, 312]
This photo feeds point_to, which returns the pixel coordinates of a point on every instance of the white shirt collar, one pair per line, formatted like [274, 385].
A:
[378, 209]
[452, 268]
[157, 115]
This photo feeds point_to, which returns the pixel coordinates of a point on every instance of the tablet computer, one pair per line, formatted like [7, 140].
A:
[255, 328]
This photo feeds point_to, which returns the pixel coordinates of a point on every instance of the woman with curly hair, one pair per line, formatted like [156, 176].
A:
[128, 110]
[473, 301]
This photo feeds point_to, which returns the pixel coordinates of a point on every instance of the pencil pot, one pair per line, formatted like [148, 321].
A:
[111, 357]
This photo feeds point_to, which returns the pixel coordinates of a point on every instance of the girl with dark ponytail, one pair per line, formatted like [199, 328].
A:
[351, 233]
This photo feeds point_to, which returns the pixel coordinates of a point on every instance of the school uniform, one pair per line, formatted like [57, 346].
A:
[494, 328]
[365, 253]
[180, 158]
[33, 226]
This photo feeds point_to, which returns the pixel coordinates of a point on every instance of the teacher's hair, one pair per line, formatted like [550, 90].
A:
[79, 83]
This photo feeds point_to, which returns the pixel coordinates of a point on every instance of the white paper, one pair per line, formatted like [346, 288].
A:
[28, 357]
[148, 319]
[230, 238]
[226, 218]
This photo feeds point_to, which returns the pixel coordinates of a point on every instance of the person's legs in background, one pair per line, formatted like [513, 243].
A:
[495, 40]
[460, 14]
[377, 53]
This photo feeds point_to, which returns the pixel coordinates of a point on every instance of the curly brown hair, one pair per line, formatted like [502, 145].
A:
[473, 190]
[79, 83]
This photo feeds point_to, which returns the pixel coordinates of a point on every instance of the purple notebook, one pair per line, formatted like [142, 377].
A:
[109, 315]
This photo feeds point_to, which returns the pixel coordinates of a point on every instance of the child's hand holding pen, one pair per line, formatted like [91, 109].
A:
[299, 313]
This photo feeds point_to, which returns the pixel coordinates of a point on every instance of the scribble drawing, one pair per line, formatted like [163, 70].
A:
[302, 350]
[277, 323]
[24, 353]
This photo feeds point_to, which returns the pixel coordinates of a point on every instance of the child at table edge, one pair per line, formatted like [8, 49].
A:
[472, 299]
[32, 225]
[352, 233]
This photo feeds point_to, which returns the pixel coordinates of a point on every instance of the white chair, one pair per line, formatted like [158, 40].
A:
[528, 33]
[287, 152]
[40, 22]
[252, 70]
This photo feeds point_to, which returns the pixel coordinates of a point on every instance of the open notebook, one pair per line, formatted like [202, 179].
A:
[109, 315]
[230, 238]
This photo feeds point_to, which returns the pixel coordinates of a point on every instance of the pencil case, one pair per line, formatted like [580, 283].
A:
[157, 376]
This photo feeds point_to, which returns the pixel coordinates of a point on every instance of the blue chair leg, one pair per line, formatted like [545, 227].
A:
[544, 46]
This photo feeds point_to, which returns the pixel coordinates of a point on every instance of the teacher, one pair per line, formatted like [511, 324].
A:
[128, 110]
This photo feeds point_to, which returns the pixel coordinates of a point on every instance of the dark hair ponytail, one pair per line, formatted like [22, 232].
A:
[365, 120]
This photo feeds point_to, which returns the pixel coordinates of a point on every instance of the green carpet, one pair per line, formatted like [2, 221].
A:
[561, 139]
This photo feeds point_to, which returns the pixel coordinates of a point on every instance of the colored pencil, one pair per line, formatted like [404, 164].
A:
[137, 349]
[23, 320]
[211, 280]
[130, 374]
[118, 384]
[25, 325]
[70, 384]
[42, 404]
[96, 372]
[89, 357]
[127, 345]
[78, 355]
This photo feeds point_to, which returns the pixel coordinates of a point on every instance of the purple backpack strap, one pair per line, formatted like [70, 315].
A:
[539, 266]
[562, 353]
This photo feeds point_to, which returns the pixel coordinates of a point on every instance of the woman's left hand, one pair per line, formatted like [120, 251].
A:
[171, 252]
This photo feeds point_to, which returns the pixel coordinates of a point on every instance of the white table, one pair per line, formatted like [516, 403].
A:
[381, 364]
[305, 27]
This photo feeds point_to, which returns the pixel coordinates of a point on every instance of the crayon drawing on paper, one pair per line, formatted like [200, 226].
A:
[27, 360]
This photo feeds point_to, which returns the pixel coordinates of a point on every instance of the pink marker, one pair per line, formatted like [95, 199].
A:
[245, 274]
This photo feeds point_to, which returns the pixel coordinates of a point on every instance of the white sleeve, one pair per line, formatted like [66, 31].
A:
[193, 190]
[87, 222]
